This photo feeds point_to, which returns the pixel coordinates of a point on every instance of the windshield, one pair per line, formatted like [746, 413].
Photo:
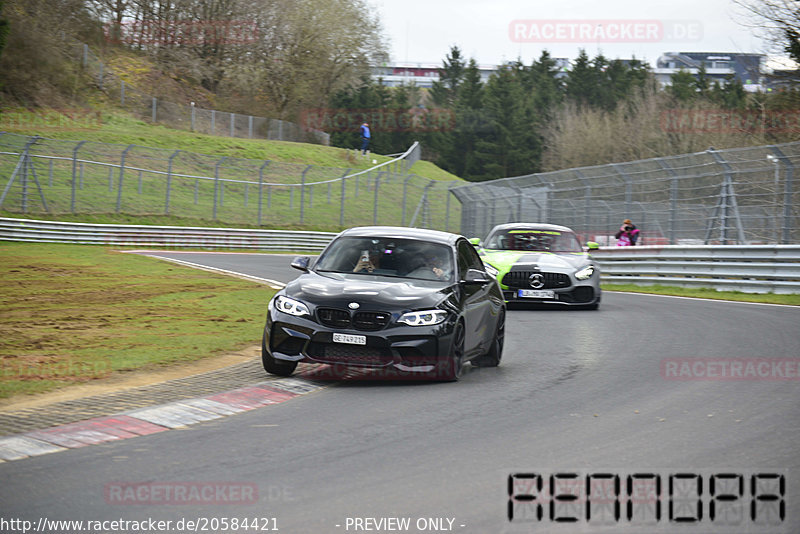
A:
[377, 256]
[534, 240]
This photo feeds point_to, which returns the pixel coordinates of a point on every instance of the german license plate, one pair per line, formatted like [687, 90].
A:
[536, 294]
[350, 339]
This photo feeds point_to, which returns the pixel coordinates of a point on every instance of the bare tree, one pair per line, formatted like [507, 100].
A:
[777, 21]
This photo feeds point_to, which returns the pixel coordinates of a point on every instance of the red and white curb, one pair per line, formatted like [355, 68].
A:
[144, 421]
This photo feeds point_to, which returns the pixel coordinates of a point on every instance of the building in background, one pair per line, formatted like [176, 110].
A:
[720, 67]
[756, 72]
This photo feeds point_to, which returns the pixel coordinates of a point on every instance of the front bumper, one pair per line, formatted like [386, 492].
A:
[412, 349]
[566, 289]
[574, 296]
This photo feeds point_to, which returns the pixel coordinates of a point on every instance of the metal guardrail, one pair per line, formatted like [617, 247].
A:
[755, 268]
[752, 269]
[161, 236]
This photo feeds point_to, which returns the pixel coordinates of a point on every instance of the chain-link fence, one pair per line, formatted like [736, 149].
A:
[188, 116]
[734, 196]
[41, 175]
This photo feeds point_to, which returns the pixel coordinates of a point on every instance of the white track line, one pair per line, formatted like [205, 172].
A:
[274, 284]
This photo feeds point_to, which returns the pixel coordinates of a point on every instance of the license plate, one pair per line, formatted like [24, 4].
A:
[350, 339]
[536, 294]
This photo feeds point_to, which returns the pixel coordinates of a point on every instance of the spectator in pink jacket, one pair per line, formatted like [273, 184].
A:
[628, 234]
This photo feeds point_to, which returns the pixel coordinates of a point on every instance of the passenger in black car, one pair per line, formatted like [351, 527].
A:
[367, 262]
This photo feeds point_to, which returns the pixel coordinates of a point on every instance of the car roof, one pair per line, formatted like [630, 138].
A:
[530, 226]
[420, 234]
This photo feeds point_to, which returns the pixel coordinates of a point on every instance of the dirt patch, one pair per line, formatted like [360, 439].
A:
[132, 379]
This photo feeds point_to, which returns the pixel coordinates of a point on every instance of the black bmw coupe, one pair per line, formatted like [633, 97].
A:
[406, 300]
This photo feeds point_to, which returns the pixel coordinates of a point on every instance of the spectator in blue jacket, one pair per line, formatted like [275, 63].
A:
[365, 136]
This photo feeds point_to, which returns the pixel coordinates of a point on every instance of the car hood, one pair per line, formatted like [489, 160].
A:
[505, 259]
[370, 292]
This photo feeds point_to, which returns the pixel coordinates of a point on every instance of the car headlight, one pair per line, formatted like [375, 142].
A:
[491, 270]
[291, 306]
[423, 318]
[585, 273]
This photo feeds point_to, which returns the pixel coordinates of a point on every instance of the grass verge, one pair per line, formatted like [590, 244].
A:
[706, 293]
[72, 314]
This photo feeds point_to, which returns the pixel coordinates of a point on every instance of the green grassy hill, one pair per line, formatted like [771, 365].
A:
[238, 207]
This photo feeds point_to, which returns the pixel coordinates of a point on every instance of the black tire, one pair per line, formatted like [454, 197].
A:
[495, 353]
[454, 368]
[273, 366]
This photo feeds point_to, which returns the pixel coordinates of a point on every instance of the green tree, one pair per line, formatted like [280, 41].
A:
[444, 92]
[683, 87]
[581, 84]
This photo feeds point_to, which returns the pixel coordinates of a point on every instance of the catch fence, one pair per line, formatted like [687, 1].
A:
[734, 196]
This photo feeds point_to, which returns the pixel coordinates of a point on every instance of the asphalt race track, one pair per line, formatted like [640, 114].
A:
[578, 392]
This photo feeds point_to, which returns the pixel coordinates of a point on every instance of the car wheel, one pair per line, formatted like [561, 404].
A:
[455, 363]
[273, 366]
[492, 358]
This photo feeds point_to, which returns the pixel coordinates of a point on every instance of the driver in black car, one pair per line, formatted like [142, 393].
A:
[434, 267]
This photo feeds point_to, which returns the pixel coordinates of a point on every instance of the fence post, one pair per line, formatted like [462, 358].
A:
[261, 188]
[85, 55]
[303, 191]
[233, 122]
[193, 117]
[155, 106]
[587, 202]
[673, 199]
[213, 120]
[216, 186]
[121, 175]
[169, 181]
[786, 231]
[341, 206]
[249, 126]
[628, 188]
[727, 202]
[375, 201]
[405, 196]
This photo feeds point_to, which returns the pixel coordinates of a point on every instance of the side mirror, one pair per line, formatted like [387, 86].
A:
[475, 242]
[474, 276]
[591, 245]
[301, 263]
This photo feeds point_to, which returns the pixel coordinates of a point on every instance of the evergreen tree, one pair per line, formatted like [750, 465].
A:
[582, 82]
[683, 86]
[702, 83]
[444, 92]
